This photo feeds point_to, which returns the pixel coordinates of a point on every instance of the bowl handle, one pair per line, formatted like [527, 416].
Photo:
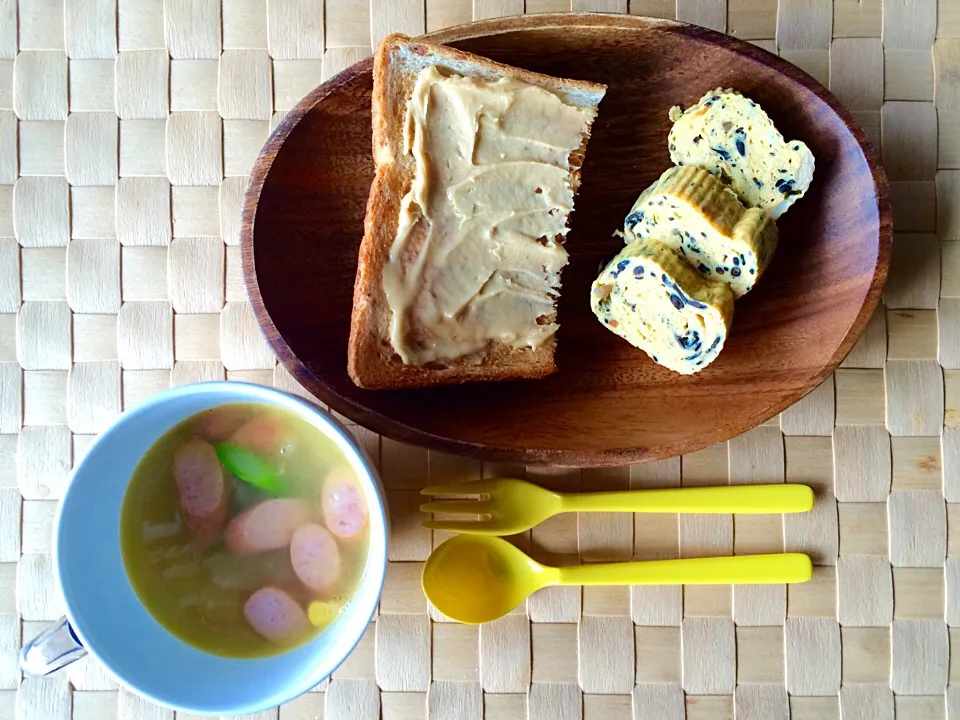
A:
[51, 650]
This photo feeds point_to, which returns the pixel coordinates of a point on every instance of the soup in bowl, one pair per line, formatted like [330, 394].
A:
[221, 549]
[244, 530]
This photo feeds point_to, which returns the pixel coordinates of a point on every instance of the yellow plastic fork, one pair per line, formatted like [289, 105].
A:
[508, 506]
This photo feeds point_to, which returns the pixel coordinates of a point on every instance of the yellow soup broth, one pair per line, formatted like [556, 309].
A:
[197, 574]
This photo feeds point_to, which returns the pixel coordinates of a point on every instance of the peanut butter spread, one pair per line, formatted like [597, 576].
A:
[476, 256]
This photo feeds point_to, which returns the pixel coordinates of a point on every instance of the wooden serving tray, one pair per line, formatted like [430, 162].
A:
[608, 403]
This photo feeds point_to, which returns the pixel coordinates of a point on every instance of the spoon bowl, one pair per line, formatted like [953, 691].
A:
[476, 579]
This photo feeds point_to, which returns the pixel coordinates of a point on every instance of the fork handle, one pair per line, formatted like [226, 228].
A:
[740, 570]
[749, 499]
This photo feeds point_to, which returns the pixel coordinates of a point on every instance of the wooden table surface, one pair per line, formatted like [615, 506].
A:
[127, 129]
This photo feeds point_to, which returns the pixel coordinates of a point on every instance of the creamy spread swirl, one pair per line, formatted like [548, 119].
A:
[476, 257]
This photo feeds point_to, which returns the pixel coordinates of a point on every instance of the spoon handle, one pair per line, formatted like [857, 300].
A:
[738, 570]
[778, 498]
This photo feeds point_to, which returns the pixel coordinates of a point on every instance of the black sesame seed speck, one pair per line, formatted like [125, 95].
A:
[740, 140]
[721, 152]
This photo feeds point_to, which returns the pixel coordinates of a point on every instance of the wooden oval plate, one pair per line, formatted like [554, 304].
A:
[608, 403]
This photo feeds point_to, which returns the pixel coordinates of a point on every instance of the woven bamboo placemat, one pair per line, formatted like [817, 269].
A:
[127, 128]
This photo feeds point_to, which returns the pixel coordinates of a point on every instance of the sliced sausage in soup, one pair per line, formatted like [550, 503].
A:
[267, 526]
[315, 557]
[276, 616]
[219, 423]
[262, 434]
[203, 491]
[344, 509]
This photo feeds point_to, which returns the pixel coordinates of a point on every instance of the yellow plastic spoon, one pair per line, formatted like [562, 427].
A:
[479, 578]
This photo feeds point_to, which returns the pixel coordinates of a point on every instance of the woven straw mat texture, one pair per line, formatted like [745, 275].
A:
[127, 129]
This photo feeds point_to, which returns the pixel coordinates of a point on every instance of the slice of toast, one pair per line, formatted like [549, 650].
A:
[372, 359]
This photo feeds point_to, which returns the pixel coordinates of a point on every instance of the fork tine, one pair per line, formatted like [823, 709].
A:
[463, 526]
[456, 507]
[462, 488]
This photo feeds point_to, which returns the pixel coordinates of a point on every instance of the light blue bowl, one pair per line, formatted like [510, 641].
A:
[105, 615]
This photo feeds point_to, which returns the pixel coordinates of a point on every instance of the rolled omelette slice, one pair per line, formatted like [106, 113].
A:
[651, 297]
[696, 214]
[732, 137]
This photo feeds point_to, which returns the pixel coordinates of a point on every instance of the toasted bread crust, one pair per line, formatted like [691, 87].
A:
[371, 361]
